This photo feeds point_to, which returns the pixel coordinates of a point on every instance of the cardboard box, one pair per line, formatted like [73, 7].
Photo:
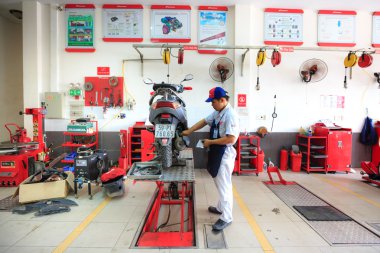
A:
[46, 190]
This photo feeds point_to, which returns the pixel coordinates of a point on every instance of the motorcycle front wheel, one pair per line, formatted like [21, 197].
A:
[165, 153]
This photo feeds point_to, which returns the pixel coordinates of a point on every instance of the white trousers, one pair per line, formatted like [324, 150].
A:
[223, 182]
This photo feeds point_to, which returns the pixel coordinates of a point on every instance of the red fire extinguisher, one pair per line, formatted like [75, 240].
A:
[283, 159]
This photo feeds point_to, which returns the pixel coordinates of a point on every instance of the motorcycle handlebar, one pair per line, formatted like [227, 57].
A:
[187, 88]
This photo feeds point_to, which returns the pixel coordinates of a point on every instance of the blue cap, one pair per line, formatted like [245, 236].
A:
[216, 93]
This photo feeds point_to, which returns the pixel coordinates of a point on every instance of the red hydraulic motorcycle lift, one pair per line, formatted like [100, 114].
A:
[154, 231]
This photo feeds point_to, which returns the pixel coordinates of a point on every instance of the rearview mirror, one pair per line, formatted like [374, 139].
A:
[148, 81]
[188, 77]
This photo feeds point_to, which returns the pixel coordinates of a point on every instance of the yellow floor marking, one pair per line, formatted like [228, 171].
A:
[337, 185]
[78, 230]
[265, 244]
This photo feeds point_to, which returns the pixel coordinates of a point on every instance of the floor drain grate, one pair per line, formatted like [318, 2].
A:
[214, 240]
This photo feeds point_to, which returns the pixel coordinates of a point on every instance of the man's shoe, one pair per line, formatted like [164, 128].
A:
[212, 209]
[220, 225]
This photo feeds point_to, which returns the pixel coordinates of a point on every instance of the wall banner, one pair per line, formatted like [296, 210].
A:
[80, 27]
[336, 28]
[283, 26]
[122, 23]
[212, 28]
[170, 23]
[376, 29]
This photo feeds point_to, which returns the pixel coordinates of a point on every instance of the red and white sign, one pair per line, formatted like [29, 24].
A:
[336, 28]
[242, 100]
[287, 49]
[283, 26]
[190, 47]
[103, 71]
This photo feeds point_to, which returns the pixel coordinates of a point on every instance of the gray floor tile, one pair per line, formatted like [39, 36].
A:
[118, 213]
[30, 249]
[16, 230]
[88, 250]
[240, 235]
[102, 235]
[55, 233]
[126, 237]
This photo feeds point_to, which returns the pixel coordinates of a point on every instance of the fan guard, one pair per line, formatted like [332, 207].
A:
[221, 69]
[313, 70]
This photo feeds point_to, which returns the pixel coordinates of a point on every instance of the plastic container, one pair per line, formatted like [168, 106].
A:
[115, 188]
[295, 161]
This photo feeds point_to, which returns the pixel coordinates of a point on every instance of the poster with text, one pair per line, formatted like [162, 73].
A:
[122, 23]
[170, 23]
[336, 28]
[376, 29]
[80, 27]
[212, 27]
[283, 26]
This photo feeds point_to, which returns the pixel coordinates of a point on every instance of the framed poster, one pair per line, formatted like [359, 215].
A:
[122, 23]
[212, 28]
[336, 28]
[80, 27]
[376, 29]
[170, 23]
[283, 26]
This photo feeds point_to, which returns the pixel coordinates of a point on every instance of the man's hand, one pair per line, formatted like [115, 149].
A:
[186, 132]
[206, 143]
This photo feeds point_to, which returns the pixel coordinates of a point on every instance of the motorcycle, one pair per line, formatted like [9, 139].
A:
[167, 113]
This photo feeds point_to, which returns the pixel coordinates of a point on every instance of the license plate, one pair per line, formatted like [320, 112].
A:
[164, 131]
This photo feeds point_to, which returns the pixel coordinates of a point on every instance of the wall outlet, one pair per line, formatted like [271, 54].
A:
[261, 117]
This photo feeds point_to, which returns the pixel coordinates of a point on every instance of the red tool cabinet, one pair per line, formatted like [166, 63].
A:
[140, 143]
[339, 143]
[249, 156]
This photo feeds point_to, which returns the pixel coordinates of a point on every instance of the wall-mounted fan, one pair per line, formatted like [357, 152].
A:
[313, 70]
[221, 69]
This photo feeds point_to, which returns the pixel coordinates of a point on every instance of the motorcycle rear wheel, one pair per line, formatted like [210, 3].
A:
[165, 153]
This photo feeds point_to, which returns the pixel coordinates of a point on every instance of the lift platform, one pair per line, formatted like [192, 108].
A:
[170, 220]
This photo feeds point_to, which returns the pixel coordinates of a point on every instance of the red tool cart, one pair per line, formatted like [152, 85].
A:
[79, 139]
[339, 146]
[249, 156]
[141, 141]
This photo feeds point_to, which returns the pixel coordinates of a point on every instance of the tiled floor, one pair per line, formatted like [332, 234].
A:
[113, 229]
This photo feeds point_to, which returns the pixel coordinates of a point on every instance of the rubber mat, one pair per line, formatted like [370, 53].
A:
[322, 213]
[334, 226]
[8, 203]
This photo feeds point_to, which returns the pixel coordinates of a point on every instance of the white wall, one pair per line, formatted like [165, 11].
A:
[11, 95]
[298, 104]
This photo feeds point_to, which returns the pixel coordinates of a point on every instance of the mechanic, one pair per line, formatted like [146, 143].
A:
[224, 131]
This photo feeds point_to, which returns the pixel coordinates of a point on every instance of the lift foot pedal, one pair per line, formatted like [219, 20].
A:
[282, 181]
[214, 240]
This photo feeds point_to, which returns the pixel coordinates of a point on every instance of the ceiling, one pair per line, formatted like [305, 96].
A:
[365, 5]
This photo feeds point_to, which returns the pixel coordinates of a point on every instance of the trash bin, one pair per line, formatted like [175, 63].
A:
[295, 161]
